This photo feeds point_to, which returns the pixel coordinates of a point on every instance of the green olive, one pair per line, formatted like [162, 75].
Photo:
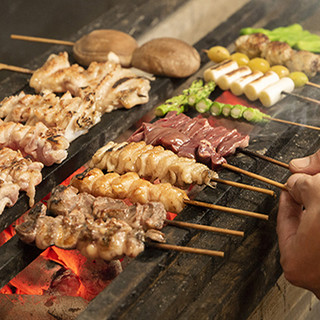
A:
[299, 78]
[280, 70]
[218, 54]
[241, 58]
[259, 64]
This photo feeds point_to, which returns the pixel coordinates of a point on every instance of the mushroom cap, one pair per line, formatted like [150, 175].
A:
[103, 44]
[167, 57]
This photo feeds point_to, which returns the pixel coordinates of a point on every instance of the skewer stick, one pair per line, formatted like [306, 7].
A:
[14, 68]
[293, 123]
[261, 156]
[313, 84]
[204, 228]
[166, 246]
[301, 97]
[226, 209]
[39, 39]
[244, 186]
[254, 176]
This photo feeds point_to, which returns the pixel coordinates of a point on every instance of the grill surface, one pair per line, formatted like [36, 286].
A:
[183, 286]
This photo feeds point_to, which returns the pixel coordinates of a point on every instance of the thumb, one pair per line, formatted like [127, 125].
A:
[309, 165]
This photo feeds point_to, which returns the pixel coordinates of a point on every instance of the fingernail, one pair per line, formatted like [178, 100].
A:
[301, 163]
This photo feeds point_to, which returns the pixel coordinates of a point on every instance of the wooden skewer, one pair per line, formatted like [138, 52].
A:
[166, 246]
[254, 176]
[301, 97]
[39, 39]
[14, 68]
[313, 84]
[293, 123]
[226, 209]
[261, 156]
[204, 228]
[244, 186]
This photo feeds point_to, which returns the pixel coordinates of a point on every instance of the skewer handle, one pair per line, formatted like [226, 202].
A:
[261, 156]
[301, 97]
[227, 209]
[166, 246]
[14, 68]
[294, 123]
[204, 228]
[313, 84]
[39, 39]
[254, 175]
[244, 186]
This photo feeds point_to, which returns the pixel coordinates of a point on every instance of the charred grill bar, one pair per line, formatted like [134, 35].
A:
[180, 286]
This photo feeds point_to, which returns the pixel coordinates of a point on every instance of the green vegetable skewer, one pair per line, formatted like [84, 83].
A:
[194, 94]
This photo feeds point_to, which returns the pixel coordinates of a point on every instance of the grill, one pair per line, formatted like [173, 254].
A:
[183, 286]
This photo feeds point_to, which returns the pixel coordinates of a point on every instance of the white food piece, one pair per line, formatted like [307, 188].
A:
[274, 93]
[253, 89]
[237, 86]
[225, 81]
[218, 70]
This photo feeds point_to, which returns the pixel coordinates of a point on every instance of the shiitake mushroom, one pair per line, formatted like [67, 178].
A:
[167, 56]
[105, 44]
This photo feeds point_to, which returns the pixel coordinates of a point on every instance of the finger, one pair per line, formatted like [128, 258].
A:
[309, 165]
[305, 189]
[288, 218]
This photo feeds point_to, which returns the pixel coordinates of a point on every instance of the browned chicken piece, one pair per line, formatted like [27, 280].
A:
[131, 186]
[19, 108]
[17, 174]
[103, 228]
[277, 53]
[50, 75]
[27, 230]
[119, 88]
[252, 45]
[110, 239]
[9, 193]
[46, 145]
[304, 61]
[178, 171]
[108, 84]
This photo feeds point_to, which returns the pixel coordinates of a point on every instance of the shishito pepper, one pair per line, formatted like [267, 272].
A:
[294, 35]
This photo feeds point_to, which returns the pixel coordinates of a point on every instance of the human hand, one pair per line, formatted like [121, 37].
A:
[298, 229]
[309, 165]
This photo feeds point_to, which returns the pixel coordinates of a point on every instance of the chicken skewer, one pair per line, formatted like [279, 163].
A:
[98, 227]
[17, 173]
[101, 88]
[131, 186]
[46, 145]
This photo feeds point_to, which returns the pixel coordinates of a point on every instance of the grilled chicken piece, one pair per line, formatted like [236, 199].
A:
[252, 45]
[110, 239]
[27, 231]
[110, 85]
[304, 61]
[107, 228]
[50, 74]
[46, 145]
[178, 171]
[9, 193]
[17, 174]
[130, 186]
[277, 53]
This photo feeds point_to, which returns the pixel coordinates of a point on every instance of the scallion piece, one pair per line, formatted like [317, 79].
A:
[237, 111]
[203, 105]
[226, 110]
[216, 108]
